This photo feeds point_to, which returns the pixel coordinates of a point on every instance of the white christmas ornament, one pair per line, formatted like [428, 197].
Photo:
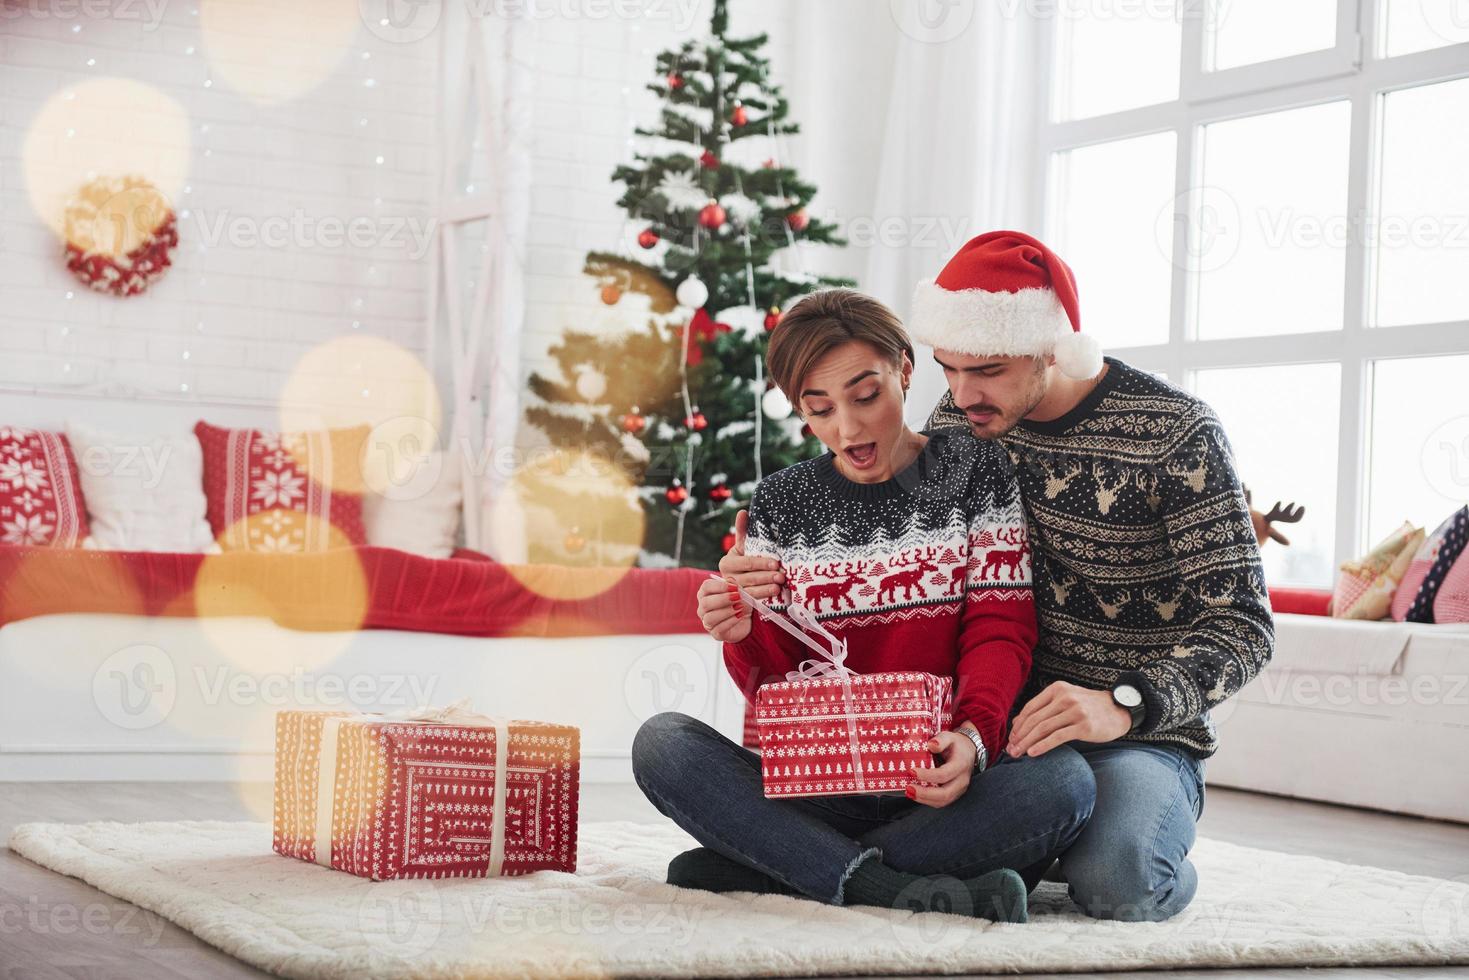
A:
[775, 404]
[591, 384]
[682, 191]
[692, 293]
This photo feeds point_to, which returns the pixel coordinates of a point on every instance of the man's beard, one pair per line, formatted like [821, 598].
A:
[1002, 422]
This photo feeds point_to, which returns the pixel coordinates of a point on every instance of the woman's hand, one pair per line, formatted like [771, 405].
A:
[949, 780]
[722, 611]
[761, 577]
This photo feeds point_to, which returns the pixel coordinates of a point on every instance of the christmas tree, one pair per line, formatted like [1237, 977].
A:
[681, 404]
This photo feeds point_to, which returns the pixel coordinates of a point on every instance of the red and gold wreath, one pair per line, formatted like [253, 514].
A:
[120, 232]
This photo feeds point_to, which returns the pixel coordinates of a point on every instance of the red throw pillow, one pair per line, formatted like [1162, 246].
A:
[40, 493]
[283, 491]
[1302, 602]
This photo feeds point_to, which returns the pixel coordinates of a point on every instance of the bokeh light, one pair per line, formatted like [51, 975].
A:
[272, 51]
[108, 127]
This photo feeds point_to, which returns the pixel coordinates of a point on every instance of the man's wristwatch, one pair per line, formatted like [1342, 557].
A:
[1130, 698]
[981, 754]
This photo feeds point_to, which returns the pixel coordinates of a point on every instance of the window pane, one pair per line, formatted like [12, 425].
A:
[1250, 31]
[1113, 226]
[1417, 25]
[1282, 422]
[1114, 56]
[1419, 469]
[1271, 226]
[1422, 226]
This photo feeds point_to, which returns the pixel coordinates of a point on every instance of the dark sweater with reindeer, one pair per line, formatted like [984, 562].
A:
[929, 570]
[1146, 567]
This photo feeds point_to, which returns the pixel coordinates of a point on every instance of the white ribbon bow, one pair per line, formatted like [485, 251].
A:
[833, 662]
[458, 713]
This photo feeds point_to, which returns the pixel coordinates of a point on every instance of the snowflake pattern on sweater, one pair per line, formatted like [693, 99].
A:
[929, 570]
[1147, 570]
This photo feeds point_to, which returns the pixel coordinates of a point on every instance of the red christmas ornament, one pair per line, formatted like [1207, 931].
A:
[719, 493]
[728, 541]
[712, 216]
[769, 164]
[696, 422]
[739, 117]
[675, 80]
[647, 238]
[708, 160]
[611, 294]
[702, 330]
[676, 493]
[634, 422]
[806, 431]
[799, 220]
[772, 319]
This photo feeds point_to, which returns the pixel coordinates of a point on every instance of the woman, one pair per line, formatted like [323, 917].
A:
[911, 547]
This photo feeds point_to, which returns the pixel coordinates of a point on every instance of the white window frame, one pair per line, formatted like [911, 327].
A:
[1356, 69]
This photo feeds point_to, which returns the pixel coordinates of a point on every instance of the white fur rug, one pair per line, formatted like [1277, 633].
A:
[616, 915]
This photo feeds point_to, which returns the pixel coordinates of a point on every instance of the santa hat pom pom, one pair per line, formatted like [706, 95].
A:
[1078, 355]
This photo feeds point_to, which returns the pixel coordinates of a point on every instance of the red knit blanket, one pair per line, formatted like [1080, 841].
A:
[356, 588]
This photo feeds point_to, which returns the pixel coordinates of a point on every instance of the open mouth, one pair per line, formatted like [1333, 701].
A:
[861, 456]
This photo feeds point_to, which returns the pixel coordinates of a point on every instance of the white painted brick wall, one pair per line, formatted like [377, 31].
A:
[246, 314]
[233, 316]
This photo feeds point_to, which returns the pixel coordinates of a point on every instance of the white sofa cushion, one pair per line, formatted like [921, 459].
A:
[143, 491]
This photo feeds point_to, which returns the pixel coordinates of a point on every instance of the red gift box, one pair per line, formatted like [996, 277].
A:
[443, 794]
[819, 739]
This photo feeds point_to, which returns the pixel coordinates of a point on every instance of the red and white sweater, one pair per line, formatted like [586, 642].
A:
[929, 570]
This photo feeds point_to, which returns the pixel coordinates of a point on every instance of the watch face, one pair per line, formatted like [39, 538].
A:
[1127, 695]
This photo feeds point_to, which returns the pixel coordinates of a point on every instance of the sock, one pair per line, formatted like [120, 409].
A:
[998, 895]
[710, 871]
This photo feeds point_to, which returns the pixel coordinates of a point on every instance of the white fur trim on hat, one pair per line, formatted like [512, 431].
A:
[980, 323]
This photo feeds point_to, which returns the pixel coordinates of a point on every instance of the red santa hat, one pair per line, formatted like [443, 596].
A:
[1005, 294]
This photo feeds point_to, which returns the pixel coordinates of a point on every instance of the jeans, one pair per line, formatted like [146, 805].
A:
[1018, 814]
[1131, 861]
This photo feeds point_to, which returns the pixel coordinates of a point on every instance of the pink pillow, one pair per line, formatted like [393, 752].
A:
[40, 493]
[1402, 599]
[1451, 605]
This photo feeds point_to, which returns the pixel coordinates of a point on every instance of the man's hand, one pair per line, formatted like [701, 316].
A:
[761, 577]
[722, 611]
[950, 779]
[1064, 712]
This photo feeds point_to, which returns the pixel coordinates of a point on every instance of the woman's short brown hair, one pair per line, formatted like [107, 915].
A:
[823, 321]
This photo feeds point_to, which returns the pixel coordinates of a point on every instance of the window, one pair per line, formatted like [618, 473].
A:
[1282, 422]
[1266, 202]
[1419, 442]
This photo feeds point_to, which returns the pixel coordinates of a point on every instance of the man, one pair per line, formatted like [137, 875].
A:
[1149, 592]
